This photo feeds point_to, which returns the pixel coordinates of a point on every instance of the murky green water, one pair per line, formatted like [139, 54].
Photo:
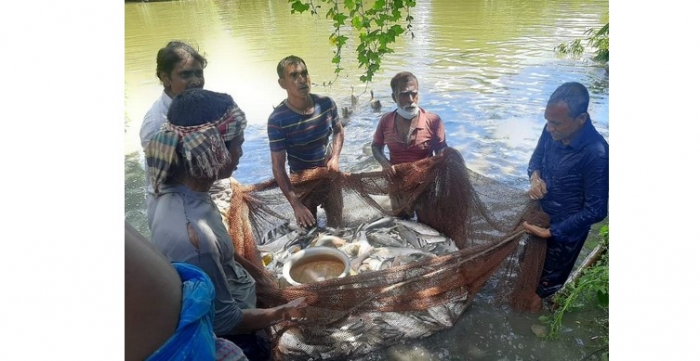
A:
[487, 67]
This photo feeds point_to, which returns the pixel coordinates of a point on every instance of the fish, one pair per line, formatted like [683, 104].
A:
[408, 258]
[356, 327]
[418, 227]
[433, 239]
[303, 240]
[408, 235]
[444, 248]
[363, 251]
[382, 222]
[277, 244]
[351, 249]
[329, 240]
[383, 239]
[277, 232]
[370, 264]
[393, 252]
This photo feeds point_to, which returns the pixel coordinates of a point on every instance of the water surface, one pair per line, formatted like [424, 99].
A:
[486, 67]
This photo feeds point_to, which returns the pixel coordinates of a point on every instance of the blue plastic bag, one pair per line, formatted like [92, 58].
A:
[194, 337]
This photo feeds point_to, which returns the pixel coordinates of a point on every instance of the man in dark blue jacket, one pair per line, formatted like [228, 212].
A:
[569, 175]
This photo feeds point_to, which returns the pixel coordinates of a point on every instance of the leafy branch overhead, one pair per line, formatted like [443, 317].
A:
[377, 24]
[598, 39]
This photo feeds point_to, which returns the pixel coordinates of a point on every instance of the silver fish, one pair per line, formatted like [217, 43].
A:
[408, 235]
[370, 264]
[409, 258]
[383, 239]
[382, 222]
[329, 240]
[393, 252]
[443, 249]
[418, 227]
[432, 239]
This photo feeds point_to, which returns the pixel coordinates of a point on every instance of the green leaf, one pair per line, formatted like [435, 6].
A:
[357, 22]
[603, 298]
[298, 6]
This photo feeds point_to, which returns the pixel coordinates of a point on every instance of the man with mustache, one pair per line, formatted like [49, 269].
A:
[298, 130]
[569, 176]
[410, 132]
[178, 67]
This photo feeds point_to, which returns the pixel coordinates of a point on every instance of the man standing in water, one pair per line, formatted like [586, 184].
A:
[299, 129]
[569, 176]
[410, 132]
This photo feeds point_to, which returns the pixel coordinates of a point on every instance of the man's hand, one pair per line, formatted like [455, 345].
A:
[389, 172]
[294, 308]
[538, 188]
[303, 215]
[332, 164]
[537, 231]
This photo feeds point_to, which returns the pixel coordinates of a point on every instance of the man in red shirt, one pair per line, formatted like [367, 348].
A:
[410, 132]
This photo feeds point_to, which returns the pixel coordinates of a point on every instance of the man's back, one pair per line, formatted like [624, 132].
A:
[186, 227]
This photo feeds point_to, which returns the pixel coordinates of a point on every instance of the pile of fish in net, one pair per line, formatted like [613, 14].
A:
[383, 243]
[408, 278]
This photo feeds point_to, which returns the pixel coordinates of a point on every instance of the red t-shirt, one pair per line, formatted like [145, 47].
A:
[427, 135]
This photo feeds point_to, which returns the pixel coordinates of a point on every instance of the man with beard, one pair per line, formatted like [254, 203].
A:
[410, 132]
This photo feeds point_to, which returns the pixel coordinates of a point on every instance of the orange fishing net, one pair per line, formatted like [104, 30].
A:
[352, 316]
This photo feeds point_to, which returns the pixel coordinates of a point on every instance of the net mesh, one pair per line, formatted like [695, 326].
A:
[352, 316]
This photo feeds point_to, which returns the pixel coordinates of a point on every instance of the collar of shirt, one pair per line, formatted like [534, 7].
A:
[166, 100]
[584, 136]
[418, 122]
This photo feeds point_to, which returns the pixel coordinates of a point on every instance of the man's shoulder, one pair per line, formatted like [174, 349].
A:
[431, 117]
[324, 101]
[279, 113]
[430, 120]
[598, 147]
[388, 116]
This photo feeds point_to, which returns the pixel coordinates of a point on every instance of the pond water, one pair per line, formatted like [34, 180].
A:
[486, 67]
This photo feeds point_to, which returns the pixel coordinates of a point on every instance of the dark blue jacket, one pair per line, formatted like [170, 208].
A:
[577, 181]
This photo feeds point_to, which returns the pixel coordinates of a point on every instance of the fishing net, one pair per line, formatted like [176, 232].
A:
[351, 316]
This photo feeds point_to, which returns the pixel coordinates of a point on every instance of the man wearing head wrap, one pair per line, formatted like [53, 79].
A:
[200, 143]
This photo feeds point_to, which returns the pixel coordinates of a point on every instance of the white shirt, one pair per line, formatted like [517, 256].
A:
[154, 118]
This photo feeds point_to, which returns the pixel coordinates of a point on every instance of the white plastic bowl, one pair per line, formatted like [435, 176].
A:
[315, 264]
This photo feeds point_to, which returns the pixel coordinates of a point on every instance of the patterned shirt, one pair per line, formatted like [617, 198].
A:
[304, 137]
[427, 135]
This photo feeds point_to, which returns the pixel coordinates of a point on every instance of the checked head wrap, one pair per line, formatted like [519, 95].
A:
[199, 123]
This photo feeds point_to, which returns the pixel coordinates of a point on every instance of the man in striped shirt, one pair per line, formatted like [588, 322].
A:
[410, 133]
[299, 130]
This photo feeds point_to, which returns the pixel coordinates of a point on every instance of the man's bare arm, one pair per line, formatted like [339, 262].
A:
[301, 213]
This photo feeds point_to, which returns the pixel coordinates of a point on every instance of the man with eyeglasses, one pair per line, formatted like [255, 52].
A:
[569, 176]
[410, 132]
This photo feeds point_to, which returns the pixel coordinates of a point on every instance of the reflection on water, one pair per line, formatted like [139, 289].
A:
[487, 67]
